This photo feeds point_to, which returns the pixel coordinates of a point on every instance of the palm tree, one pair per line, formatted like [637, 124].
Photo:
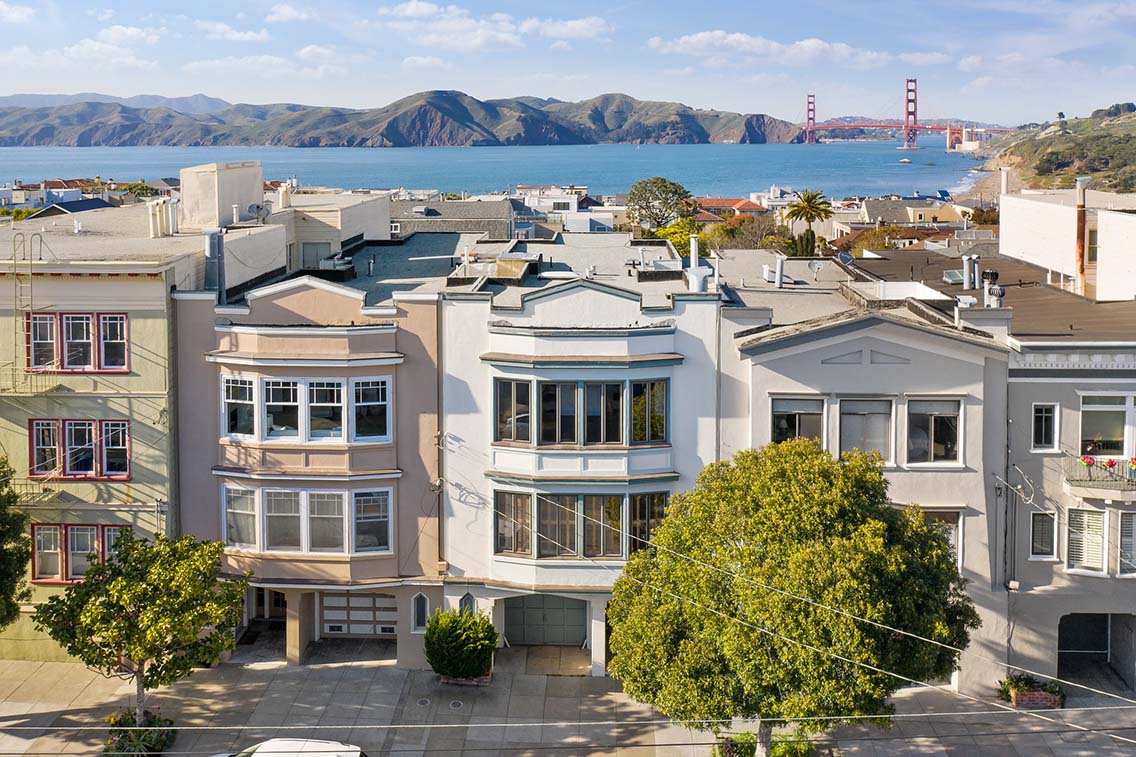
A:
[810, 206]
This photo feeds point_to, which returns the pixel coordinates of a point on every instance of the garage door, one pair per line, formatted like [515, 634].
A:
[358, 615]
[545, 619]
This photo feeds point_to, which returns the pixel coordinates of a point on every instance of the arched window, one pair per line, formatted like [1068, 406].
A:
[421, 606]
[467, 605]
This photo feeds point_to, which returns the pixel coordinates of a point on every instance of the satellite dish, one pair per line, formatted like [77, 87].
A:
[846, 259]
[815, 266]
[258, 211]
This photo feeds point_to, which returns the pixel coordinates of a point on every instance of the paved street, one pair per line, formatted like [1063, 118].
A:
[360, 701]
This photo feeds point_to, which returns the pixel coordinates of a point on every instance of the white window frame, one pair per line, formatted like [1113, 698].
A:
[352, 403]
[1129, 422]
[1056, 427]
[1123, 515]
[95, 550]
[1103, 571]
[1052, 556]
[389, 491]
[93, 446]
[345, 527]
[300, 404]
[256, 514]
[889, 462]
[53, 330]
[104, 437]
[58, 551]
[228, 379]
[90, 319]
[960, 443]
[103, 319]
[107, 546]
[57, 446]
[262, 520]
[321, 384]
[414, 627]
[824, 412]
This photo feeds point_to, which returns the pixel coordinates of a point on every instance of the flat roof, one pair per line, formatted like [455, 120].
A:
[1041, 312]
[421, 263]
[1093, 199]
[806, 294]
[315, 200]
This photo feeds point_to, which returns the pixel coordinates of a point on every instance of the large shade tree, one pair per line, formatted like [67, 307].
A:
[15, 549]
[657, 202]
[151, 613]
[810, 206]
[705, 639]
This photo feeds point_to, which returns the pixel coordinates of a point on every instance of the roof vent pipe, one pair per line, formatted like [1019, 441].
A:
[967, 273]
[975, 279]
[693, 252]
[172, 205]
[236, 213]
[997, 295]
[215, 263]
[779, 275]
[1082, 182]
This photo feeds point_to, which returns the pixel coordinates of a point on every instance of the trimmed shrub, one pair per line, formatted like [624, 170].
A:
[120, 740]
[460, 644]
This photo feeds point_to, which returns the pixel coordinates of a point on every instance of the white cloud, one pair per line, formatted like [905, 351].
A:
[747, 48]
[101, 14]
[284, 12]
[591, 27]
[424, 62]
[221, 30]
[97, 55]
[15, 14]
[453, 27]
[317, 54]
[970, 63]
[268, 66]
[560, 44]
[125, 35]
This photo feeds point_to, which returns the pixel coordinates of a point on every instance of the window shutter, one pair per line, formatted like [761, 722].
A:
[1086, 540]
[1127, 545]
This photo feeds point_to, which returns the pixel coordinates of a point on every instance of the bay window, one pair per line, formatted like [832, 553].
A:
[648, 411]
[932, 431]
[325, 522]
[240, 409]
[647, 510]
[325, 410]
[240, 517]
[512, 398]
[603, 525]
[513, 511]
[603, 413]
[1085, 542]
[797, 419]
[1103, 419]
[557, 413]
[282, 409]
[866, 425]
[373, 521]
[78, 342]
[282, 521]
[372, 409]
[556, 525]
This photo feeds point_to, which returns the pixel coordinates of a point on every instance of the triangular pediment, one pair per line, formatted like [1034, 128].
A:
[882, 358]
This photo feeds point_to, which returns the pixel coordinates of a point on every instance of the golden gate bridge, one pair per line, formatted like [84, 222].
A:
[956, 133]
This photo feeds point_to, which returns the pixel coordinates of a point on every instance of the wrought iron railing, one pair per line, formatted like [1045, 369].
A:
[1100, 472]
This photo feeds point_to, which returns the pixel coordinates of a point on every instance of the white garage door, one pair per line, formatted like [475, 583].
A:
[357, 614]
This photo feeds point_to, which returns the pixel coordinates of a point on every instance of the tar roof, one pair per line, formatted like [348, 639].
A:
[1041, 312]
[420, 263]
[465, 209]
[806, 294]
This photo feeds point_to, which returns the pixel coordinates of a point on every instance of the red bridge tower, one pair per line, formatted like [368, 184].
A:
[911, 117]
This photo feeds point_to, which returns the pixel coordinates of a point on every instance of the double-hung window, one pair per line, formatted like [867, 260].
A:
[513, 511]
[111, 536]
[797, 419]
[1103, 419]
[48, 553]
[1043, 535]
[112, 342]
[603, 525]
[1127, 543]
[115, 443]
[240, 407]
[282, 524]
[1085, 543]
[647, 510]
[80, 452]
[325, 409]
[932, 431]
[648, 411]
[372, 409]
[43, 354]
[603, 413]
[556, 524]
[325, 522]
[866, 425]
[373, 521]
[282, 409]
[1044, 430]
[45, 447]
[513, 410]
[82, 542]
[78, 342]
[558, 413]
[240, 517]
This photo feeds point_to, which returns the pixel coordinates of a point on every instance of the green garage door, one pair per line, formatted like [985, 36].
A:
[545, 619]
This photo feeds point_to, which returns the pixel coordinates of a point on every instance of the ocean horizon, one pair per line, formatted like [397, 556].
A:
[839, 169]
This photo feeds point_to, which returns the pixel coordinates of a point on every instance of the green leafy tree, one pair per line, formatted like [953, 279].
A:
[810, 206]
[138, 189]
[15, 549]
[746, 232]
[656, 202]
[460, 644]
[679, 233]
[17, 214]
[151, 613]
[882, 238]
[688, 638]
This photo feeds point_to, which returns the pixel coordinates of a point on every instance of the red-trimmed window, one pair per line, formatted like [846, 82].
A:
[79, 449]
[78, 342]
[65, 552]
[48, 558]
[82, 548]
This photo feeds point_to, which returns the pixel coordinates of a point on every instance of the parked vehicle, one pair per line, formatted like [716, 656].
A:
[297, 748]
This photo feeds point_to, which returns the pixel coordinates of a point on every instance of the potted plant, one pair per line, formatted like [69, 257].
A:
[459, 647]
[1026, 692]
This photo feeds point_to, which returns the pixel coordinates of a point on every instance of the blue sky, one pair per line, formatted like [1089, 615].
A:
[999, 60]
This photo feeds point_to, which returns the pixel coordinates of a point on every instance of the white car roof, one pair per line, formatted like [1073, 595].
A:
[296, 747]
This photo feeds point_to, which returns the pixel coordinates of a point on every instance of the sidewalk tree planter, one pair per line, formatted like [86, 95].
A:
[460, 645]
[1026, 692]
[123, 739]
[150, 613]
[729, 634]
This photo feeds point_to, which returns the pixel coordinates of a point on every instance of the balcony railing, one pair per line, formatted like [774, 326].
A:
[1099, 472]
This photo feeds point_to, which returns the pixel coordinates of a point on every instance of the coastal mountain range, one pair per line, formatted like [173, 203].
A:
[426, 119]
